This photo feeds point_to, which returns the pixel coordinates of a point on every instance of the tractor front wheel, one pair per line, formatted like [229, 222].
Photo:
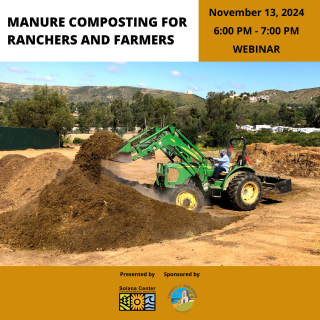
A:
[188, 196]
[245, 191]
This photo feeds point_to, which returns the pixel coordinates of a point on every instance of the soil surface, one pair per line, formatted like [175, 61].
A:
[282, 230]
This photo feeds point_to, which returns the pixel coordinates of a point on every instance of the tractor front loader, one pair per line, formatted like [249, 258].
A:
[188, 181]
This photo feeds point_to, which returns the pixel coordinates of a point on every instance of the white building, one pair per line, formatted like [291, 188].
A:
[307, 130]
[263, 126]
[189, 92]
[253, 99]
[263, 98]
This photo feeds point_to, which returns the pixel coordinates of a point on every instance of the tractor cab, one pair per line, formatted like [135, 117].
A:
[241, 160]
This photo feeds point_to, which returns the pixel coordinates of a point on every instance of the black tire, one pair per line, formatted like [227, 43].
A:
[188, 196]
[245, 191]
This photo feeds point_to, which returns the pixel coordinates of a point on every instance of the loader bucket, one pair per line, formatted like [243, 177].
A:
[123, 153]
[275, 184]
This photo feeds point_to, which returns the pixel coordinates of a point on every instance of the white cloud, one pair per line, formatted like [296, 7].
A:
[196, 88]
[85, 79]
[142, 85]
[13, 69]
[175, 73]
[38, 78]
[114, 69]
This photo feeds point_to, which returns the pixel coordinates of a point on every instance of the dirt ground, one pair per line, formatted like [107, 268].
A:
[282, 230]
[69, 152]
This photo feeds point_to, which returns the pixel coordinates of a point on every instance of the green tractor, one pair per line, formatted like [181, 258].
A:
[190, 180]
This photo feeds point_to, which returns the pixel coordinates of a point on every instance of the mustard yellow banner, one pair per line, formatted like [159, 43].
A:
[215, 292]
[258, 30]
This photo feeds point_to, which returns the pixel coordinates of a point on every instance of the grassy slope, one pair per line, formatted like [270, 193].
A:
[106, 94]
[302, 96]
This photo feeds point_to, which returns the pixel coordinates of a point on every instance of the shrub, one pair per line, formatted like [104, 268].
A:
[301, 139]
[78, 140]
[65, 140]
[120, 132]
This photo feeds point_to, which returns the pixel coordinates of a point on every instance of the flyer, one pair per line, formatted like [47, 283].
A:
[159, 159]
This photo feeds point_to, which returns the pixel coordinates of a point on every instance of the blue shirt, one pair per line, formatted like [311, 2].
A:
[224, 162]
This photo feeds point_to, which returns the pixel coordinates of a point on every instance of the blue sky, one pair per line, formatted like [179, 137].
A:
[200, 77]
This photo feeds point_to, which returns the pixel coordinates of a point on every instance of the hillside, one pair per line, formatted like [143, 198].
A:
[302, 96]
[9, 91]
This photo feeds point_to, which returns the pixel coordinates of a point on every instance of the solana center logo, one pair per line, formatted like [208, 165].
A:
[137, 301]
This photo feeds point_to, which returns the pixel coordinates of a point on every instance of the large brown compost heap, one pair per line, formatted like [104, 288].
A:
[22, 179]
[286, 159]
[82, 210]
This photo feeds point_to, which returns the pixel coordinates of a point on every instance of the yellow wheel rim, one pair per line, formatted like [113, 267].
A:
[187, 200]
[249, 192]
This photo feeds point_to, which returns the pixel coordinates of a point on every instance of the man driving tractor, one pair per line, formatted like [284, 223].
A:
[223, 165]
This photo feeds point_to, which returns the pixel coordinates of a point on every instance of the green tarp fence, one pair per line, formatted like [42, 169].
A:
[24, 138]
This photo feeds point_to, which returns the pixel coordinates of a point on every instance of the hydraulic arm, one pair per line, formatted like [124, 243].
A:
[169, 140]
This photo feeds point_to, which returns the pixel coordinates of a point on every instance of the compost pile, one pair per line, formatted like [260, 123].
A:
[290, 160]
[82, 210]
[22, 179]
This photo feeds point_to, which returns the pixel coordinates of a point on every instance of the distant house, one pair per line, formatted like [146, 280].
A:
[253, 99]
[263, 98]
[257, 98]
[76, 113]
[234, 95]
[189, 92]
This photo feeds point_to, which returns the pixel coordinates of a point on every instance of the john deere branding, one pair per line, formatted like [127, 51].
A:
[182, 298]
[137, 299]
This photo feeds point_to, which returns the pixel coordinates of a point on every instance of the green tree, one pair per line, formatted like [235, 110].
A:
[142, 109]
[163, 110]
[45, 110]
[195, 113]
[220, 133]
[122, 115]
[191, 132]
[311, 115]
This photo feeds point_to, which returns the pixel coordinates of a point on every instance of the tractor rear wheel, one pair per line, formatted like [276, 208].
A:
[188, 196]
[245, 191]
